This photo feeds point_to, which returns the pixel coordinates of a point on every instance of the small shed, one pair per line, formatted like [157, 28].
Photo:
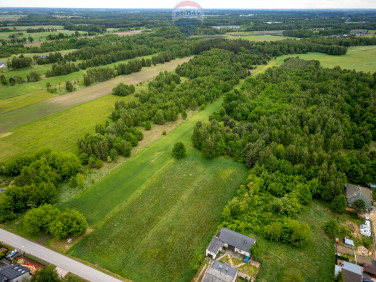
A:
[2, 190]
[348, 242]
[2, 65]
[219, 272]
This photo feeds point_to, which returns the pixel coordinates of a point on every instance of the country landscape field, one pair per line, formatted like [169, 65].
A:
[132, 140]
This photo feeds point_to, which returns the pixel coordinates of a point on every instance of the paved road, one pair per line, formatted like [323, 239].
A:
[55, 258]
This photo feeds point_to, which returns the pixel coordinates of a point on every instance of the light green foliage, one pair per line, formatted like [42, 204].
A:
[68, 223]
[39, 219]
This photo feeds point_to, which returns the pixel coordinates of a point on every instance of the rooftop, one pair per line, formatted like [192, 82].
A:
[353, 191]
[215, 245]
[13, 271]
[219, 272]
[369, 269]
[236, 239]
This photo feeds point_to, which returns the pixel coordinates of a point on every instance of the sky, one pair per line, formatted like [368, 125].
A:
[233, 4]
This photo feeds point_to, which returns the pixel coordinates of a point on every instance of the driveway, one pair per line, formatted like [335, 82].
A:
[55, 258]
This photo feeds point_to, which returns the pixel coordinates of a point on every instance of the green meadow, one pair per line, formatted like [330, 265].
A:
[59, 131]
[154, 216]
[360, 58]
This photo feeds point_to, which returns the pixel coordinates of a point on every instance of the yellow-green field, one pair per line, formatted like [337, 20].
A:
[360, 58]
[60, 131]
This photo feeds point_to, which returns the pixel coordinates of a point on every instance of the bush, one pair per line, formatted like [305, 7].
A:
[68, 223]
[123, 89]
[69, 86]
[331, 227]
[147, 125]
[164, 132]
[33, 77]
[80, 179]
[184, 114]
[73, 182]
[84, 158]
[98, 163]
[39, 219]
[178, 151]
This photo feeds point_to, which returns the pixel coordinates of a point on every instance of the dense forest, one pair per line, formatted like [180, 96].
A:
[303, 130]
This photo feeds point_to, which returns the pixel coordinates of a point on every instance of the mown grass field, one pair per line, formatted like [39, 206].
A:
[315, 262]
[360, 58]
[60, 131]
[154, 216]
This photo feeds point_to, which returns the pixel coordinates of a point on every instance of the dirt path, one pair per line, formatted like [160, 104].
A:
[54, 105]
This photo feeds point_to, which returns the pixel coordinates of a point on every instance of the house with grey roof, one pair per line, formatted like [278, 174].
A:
[351, 272]
[14, 273]
[2, 65]
[232, 240]
[354, 193]
[219, 272]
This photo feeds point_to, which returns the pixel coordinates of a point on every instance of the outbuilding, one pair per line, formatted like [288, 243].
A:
[15, 273]
[2, 65]
[354, 193]
[219, 272]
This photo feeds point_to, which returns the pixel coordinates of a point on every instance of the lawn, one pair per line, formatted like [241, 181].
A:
[360, 58]
[315, 261]
[59, 131]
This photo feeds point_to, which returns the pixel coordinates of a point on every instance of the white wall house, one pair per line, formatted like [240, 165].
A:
[232, 240]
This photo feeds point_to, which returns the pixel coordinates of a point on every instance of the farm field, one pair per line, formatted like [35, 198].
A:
[59, 131]
[154, 216]
[21, 89]
[36, 111]
[360, 58]
[315, 262]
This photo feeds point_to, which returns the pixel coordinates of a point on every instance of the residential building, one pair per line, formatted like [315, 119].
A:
[219, 272]
[354, 193]
[232, 240]
[348, 242]
[2, 65]
[351, 272]
[14, 273]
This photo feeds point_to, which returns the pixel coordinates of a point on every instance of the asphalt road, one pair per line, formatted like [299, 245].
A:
[55, 258]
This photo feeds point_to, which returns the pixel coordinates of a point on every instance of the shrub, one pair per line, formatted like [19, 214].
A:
[331, 227]
[98, 163]
[69, 86]
[178, 151]
[147, 125]
[68, 223]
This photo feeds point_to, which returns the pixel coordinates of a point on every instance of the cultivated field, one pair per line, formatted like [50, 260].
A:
[315, 261]
[360, 58]
[36, 111]
[60, 131]
[154, 216]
